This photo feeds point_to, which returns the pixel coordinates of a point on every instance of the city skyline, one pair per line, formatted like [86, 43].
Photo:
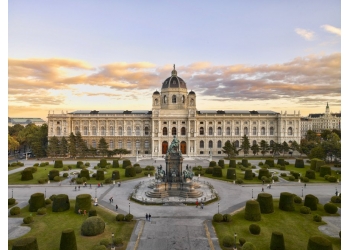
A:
[67, 56]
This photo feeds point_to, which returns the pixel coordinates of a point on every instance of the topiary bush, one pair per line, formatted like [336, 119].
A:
[58, 164]
[244, 162]
[11, 201]
[252, 211]
[92, 226]
[332, 179]
[310, 174]
[281, 162]
[217, 172]
[336, 199]
[319, 243]
[317, 218]
[15, 211]
[138, 169]
[254, 229]
[239, 181]
[79, 164]
[52, 174]
[130, 171]
[291, 178]
[305, 210]
[41, 211]
[28, 243]
[92, 212]
[227, 218]
[324, 170]
[299, 163]
[218, 218]
[311, 202]
[85, 173]
[277, 241]
[120, 217]
[242, 241]
[116, 164]
[319, 163]
[221, 163]
[126, 163]
[248, 174]
[56, 179]
[270, 163]
[100, 174]
[27, 174]
[68, 240]
[128, 217]
[297, 199]
[231, 173]
[102, 163]
[286, 202]
[212, 164]
[36, 201]
[209, 170]
[330, 208]
[266, 203]
[248, 246]
[228, 241]
[99, 247]
[83, 202]
[115, 175]
[28, 220]
[263, 172]
[104, 242]
[232, 164]
[61, 203]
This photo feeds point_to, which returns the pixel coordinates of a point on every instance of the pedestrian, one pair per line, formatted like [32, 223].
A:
[75, 188]
[149, 216]
[146, 216]
[202, 205]
[116, 207]
[110, 200]
[197, 203]
[336, 193]
[305, 185]
[79, 188]
[84, 212]
[262, 189]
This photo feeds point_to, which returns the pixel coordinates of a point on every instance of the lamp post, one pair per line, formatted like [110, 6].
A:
[252, 193]
[12, 194]
[218, 207]
[112, 239]
[235, 240]
[129, 208]
[96, 193]
[302, 191]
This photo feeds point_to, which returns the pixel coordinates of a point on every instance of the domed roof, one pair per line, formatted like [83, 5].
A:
[191, 92]
[156, 93]
[174, 81]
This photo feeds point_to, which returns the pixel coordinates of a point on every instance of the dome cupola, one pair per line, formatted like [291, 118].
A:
[174, 81]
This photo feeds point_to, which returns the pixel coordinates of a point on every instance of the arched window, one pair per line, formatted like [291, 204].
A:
[164, 131]
[174, 99]
[76, 130]
[219, 144]
[254, 142]
[146, 131]
[210, 131]
[85, 131]
[156, 101]
[245, 130]
[271, 132]
[183, 131]
[111, 130]
[237, 143]
[138, 145]
[254, 131]
[237, 131]
[58, 131]
[201, 130]
[219, 131]
[174, 131]
[129, 131]
[228, 131]
[138, 131]
[210, 144]
[120, 130]
[111, 144]
[146, 144]
[165, 99]
[289, 131]
[102, 131]
[202, 144]
[94, 130]
[129, 145]
[120, 144]
[263, 131]
[183, 99]
[93, 143]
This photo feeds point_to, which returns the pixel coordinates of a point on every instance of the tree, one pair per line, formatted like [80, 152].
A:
[264, 146]
[81, 147]
[312, 136]
[295, 146]
[72, 145]
[332, 146]
[284, 147]
[103, 146]
[63, 147]
[230, 149]
[35, 138]
[255, 149]
[121, 151]
[92, 151]
[245, 144]
[317, 152]
[276, 148]
[53, 148]
[13, 144]
[15, 129]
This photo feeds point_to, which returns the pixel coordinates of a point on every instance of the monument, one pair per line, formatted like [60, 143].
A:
[174, 161]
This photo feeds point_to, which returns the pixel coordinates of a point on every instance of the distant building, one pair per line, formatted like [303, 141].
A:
[25, 121]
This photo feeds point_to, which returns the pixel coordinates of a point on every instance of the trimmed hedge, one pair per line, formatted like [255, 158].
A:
[305, 210]
[83, 202]
[92, 226]
[317, 218]
[27, 174]
[297, 199]
[244, 163]
[217, 172]
[310, 174]
[68, 240]
[263, 172]
[85, 173]
[130, 171]
[11, 201]
[115, 175]
[15, 211]
[252, 211]
[254, 229]
[266, 203]
[138, 169]
[28, 243]
[227, 218]
[79, 164]
[228, 241]
[299, 163]
[286, 202]
[116, 164]
[311, 202]
[126, 163]
[248, 174]
[120, 217]
[248, 246]
[58, 164]
[102, 163]
[28, 220]
[319, 243]
[92, 212]
[325, 170]
[315, 164]
[336, 199]
[61, 203]
[212, 164]
[53, 173]
[218, 218]
[221, 163]
[281, 162]
[231, 173]
[270, 163]
[277, 241]
[330, 208]
[36, 201]
[42, 211]
[209, 170]
[100, 174]
[232, 163]
[128, 217]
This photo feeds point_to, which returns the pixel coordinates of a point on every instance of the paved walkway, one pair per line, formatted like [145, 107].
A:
[173, 227]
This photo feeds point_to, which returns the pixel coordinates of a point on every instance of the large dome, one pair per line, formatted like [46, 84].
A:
[174, 81]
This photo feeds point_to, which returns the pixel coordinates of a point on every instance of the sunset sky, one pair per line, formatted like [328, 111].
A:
[242, 55]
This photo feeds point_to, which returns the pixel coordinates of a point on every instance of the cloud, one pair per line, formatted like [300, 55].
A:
[306, 34]
[332, 29]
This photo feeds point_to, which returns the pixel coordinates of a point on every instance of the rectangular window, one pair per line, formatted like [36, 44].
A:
[201, 122]
[201, 152]
[219, 152]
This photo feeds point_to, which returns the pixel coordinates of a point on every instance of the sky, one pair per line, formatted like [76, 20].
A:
[235, 55]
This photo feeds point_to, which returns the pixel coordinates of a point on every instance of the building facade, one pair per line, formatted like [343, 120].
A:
[174, 113]
[25, 121]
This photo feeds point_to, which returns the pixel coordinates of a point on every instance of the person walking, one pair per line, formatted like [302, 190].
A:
[146, 216]
[305, 185]
[262, 189]
[112, 200]
[197, 203]
[149, 217]
[116, 207]
[202, 205]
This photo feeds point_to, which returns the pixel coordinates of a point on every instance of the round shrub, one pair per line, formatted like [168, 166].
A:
[330, 208]
[83, 202]
[291, 178]
[92, 212]
[231, 174]
[120, 217]
[319, 243]
[212, 164]
[53, 173]
[42, 180]
[317, 218]
[305, 210]
[282, 167]
[56, 179]
[277, 241]
[281, 162]
[275, 178]
[65, 168]
[87, 164]
[79, 164]
[92, 226]
[252, 211]
[68, 240]
[336, 199]
[332, 179]
[126, 163]
[79, 181]
[270, 163]
[263, 172]
[242, 241]
[58, 164]
[218, 218]
[310, 174]
[232, 164]
[227, 218]
[15, 211]
[209, 170]
[130, 171]
[297, 199]
[61, 203]
[48, 201]
[104, 242]
[85, 173]
[100, 174]
[41, 211]
[99, 247]
[28, 220]
[305, 179]
[228, 241]
[286, 202]
[108, 181]
[299, 163]
[27, 174]
[28, 243]
[36, 201]
[65, 175]
[248, 174]
[254, 229]
[311, 201]
[138, 169]
[248, 246]
[266, 203]
[217, 172]
[128, 217]
[324, 170]
[239, 181]
[11, 201]
[52, 197]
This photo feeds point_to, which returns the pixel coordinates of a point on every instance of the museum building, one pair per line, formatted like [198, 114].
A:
[174, 112]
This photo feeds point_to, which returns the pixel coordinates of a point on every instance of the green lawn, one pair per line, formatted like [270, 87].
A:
[296, 227]
[48, 228]
[42, 172]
